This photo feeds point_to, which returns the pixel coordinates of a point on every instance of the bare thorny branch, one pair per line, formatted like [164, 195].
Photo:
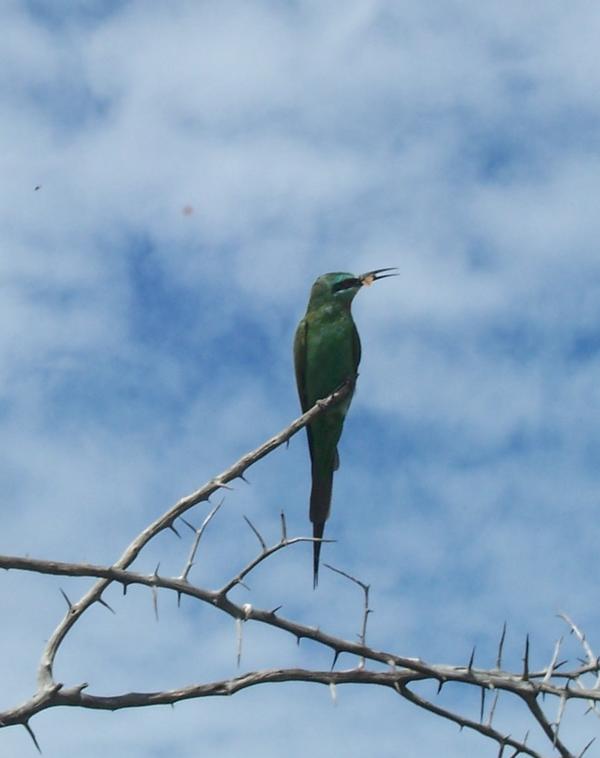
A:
[398, 672]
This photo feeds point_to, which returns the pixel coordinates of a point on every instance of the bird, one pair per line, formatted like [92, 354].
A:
[327, 353]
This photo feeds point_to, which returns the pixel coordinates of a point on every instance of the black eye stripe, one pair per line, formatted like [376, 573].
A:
[345, 284]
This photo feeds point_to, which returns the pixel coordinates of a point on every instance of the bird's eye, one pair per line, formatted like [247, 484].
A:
[345, 284]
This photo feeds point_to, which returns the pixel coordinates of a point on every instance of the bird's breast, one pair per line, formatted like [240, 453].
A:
[330, 355]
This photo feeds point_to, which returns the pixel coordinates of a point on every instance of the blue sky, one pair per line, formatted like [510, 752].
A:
[145, 347]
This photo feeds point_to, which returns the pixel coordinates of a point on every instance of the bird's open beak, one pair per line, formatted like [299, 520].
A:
[372, 276]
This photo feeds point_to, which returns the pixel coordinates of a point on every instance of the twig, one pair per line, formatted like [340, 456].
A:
[197, 537]
[45, 668]
[365, 588]
[484, 729]
[265, 553]
[540, 717]
[401, 670]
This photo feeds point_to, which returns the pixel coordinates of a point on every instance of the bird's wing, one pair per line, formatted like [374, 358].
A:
[356, 352]
[356, 349]
[300, 341]
[300, 362]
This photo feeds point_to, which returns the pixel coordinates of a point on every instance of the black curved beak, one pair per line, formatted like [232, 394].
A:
[372, 276]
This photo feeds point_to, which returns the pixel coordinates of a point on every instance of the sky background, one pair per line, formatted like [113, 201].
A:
[200, 164]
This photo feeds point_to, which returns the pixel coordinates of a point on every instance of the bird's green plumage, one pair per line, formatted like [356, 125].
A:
[326, 354]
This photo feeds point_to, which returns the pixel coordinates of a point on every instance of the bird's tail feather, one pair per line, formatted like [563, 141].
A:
[318, 533]
[320, 502]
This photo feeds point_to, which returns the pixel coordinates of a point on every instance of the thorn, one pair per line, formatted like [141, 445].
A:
[274, 611]
[298, 638]
[243, 478]
[238, 635]
[187, 523]
[551, 668]
[482, 708]
[493, 708]
[333, 692]
[257, 533]
[526, 659]
[106, 605]
[155, 602]
[179, 599]
[172, 528]
[156, 569]
[124, 589]
[336, 655]
[590, 743]
[33, 737]
[441, 683]
[222, 484]
[471, 659]
[64, 594]
[501, 647]
[283, 528]
[244, 585]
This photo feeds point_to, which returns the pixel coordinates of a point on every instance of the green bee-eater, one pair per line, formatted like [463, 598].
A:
[326, 355]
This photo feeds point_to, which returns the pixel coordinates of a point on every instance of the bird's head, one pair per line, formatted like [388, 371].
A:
[343, 287]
